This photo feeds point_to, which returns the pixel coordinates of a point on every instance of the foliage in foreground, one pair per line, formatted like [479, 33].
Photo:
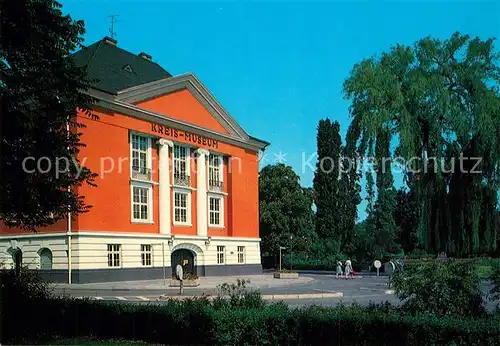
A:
[244, 319]
[202, 322]
[41, 90]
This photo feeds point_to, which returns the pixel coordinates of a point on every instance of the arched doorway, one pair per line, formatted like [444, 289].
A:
[45, 259]
[185, 258]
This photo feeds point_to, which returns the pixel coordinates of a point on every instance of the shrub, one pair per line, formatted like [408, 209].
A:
[197, 321]
[441, 288]
[239, 295]
[23, 285]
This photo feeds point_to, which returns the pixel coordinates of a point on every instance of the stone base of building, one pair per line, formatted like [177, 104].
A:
[109, 257]
[83, 276]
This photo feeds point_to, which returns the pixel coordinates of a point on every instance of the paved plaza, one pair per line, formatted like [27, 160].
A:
[309, 289]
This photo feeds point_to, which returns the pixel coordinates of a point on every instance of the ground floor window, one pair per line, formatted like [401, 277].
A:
[114, 255]
[221, 254]
[241, 254]
[146, 254]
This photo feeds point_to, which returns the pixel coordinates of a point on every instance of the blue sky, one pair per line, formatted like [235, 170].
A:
[278, 66]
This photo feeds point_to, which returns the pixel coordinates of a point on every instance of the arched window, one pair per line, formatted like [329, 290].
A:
[17, 258]
[45, 259]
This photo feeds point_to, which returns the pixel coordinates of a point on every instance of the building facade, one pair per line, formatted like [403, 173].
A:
[177, 182]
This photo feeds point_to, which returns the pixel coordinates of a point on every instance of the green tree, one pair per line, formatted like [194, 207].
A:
[41, 90]
[440, 101]
[326, 183]
[285, 209]
[349, 190]
[384, 224]
[407, 218]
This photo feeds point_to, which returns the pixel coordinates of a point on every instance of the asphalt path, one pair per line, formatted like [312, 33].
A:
[362, 291]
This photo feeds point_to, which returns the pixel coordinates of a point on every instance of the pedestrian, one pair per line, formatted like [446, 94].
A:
[339, 269]
[180, 276]
[348, 267]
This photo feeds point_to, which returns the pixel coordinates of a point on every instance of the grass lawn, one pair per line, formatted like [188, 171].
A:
[484, 271]
[484, 266]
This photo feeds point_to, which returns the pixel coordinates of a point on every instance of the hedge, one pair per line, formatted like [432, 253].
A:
[202, 322]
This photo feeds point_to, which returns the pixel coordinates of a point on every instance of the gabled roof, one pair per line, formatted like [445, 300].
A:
[123, 79]
[196, 88]
[116, 69]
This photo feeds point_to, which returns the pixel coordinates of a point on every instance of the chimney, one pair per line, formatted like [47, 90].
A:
[145, 56]
[110, 40]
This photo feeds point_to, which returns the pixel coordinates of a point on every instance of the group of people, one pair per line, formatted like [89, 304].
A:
[345, 269]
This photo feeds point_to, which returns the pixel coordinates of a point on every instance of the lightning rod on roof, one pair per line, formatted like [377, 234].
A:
[113, 20]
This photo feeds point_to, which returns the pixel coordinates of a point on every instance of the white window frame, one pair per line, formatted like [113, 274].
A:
[149, 187]
[188, 207]
[116, 249]
[221, 210]
[149, 152]
[242, 253]
[220, 166]
[188, 160]
[144, 255]
[221, 254]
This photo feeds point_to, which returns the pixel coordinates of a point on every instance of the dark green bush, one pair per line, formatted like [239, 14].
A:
[243, 321]
[199, 321]
[238, 295]
[440, 288]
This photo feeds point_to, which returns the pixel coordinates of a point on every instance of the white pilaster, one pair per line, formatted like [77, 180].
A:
[201, 193]
[164, 186]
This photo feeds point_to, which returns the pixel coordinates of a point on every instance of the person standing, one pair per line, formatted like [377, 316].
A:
[348, 267]
[339, 269]
[179, 272]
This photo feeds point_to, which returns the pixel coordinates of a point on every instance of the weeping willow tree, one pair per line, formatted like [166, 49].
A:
[439, 102]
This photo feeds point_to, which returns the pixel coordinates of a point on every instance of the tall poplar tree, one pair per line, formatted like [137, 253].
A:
[326, 182]
[385, 225]
[350, 190]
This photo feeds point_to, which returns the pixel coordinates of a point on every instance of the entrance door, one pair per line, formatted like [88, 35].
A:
[185, 258]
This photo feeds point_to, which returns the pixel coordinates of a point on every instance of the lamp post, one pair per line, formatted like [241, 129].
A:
[281, 248]
[291, 238]
[163, 256]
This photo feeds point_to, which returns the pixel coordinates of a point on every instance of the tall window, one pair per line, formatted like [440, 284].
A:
[180, 162]
[215, 172]
[114, 255]
[241, 254]
[215, 210]
[214, 167]
[221, 254]
[181, 207]
[146, 254]
[140, 203]
[140, 146]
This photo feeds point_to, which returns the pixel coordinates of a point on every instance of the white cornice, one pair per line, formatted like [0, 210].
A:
[123, 235]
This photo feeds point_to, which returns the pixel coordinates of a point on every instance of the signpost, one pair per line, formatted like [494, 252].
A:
[377, 265]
